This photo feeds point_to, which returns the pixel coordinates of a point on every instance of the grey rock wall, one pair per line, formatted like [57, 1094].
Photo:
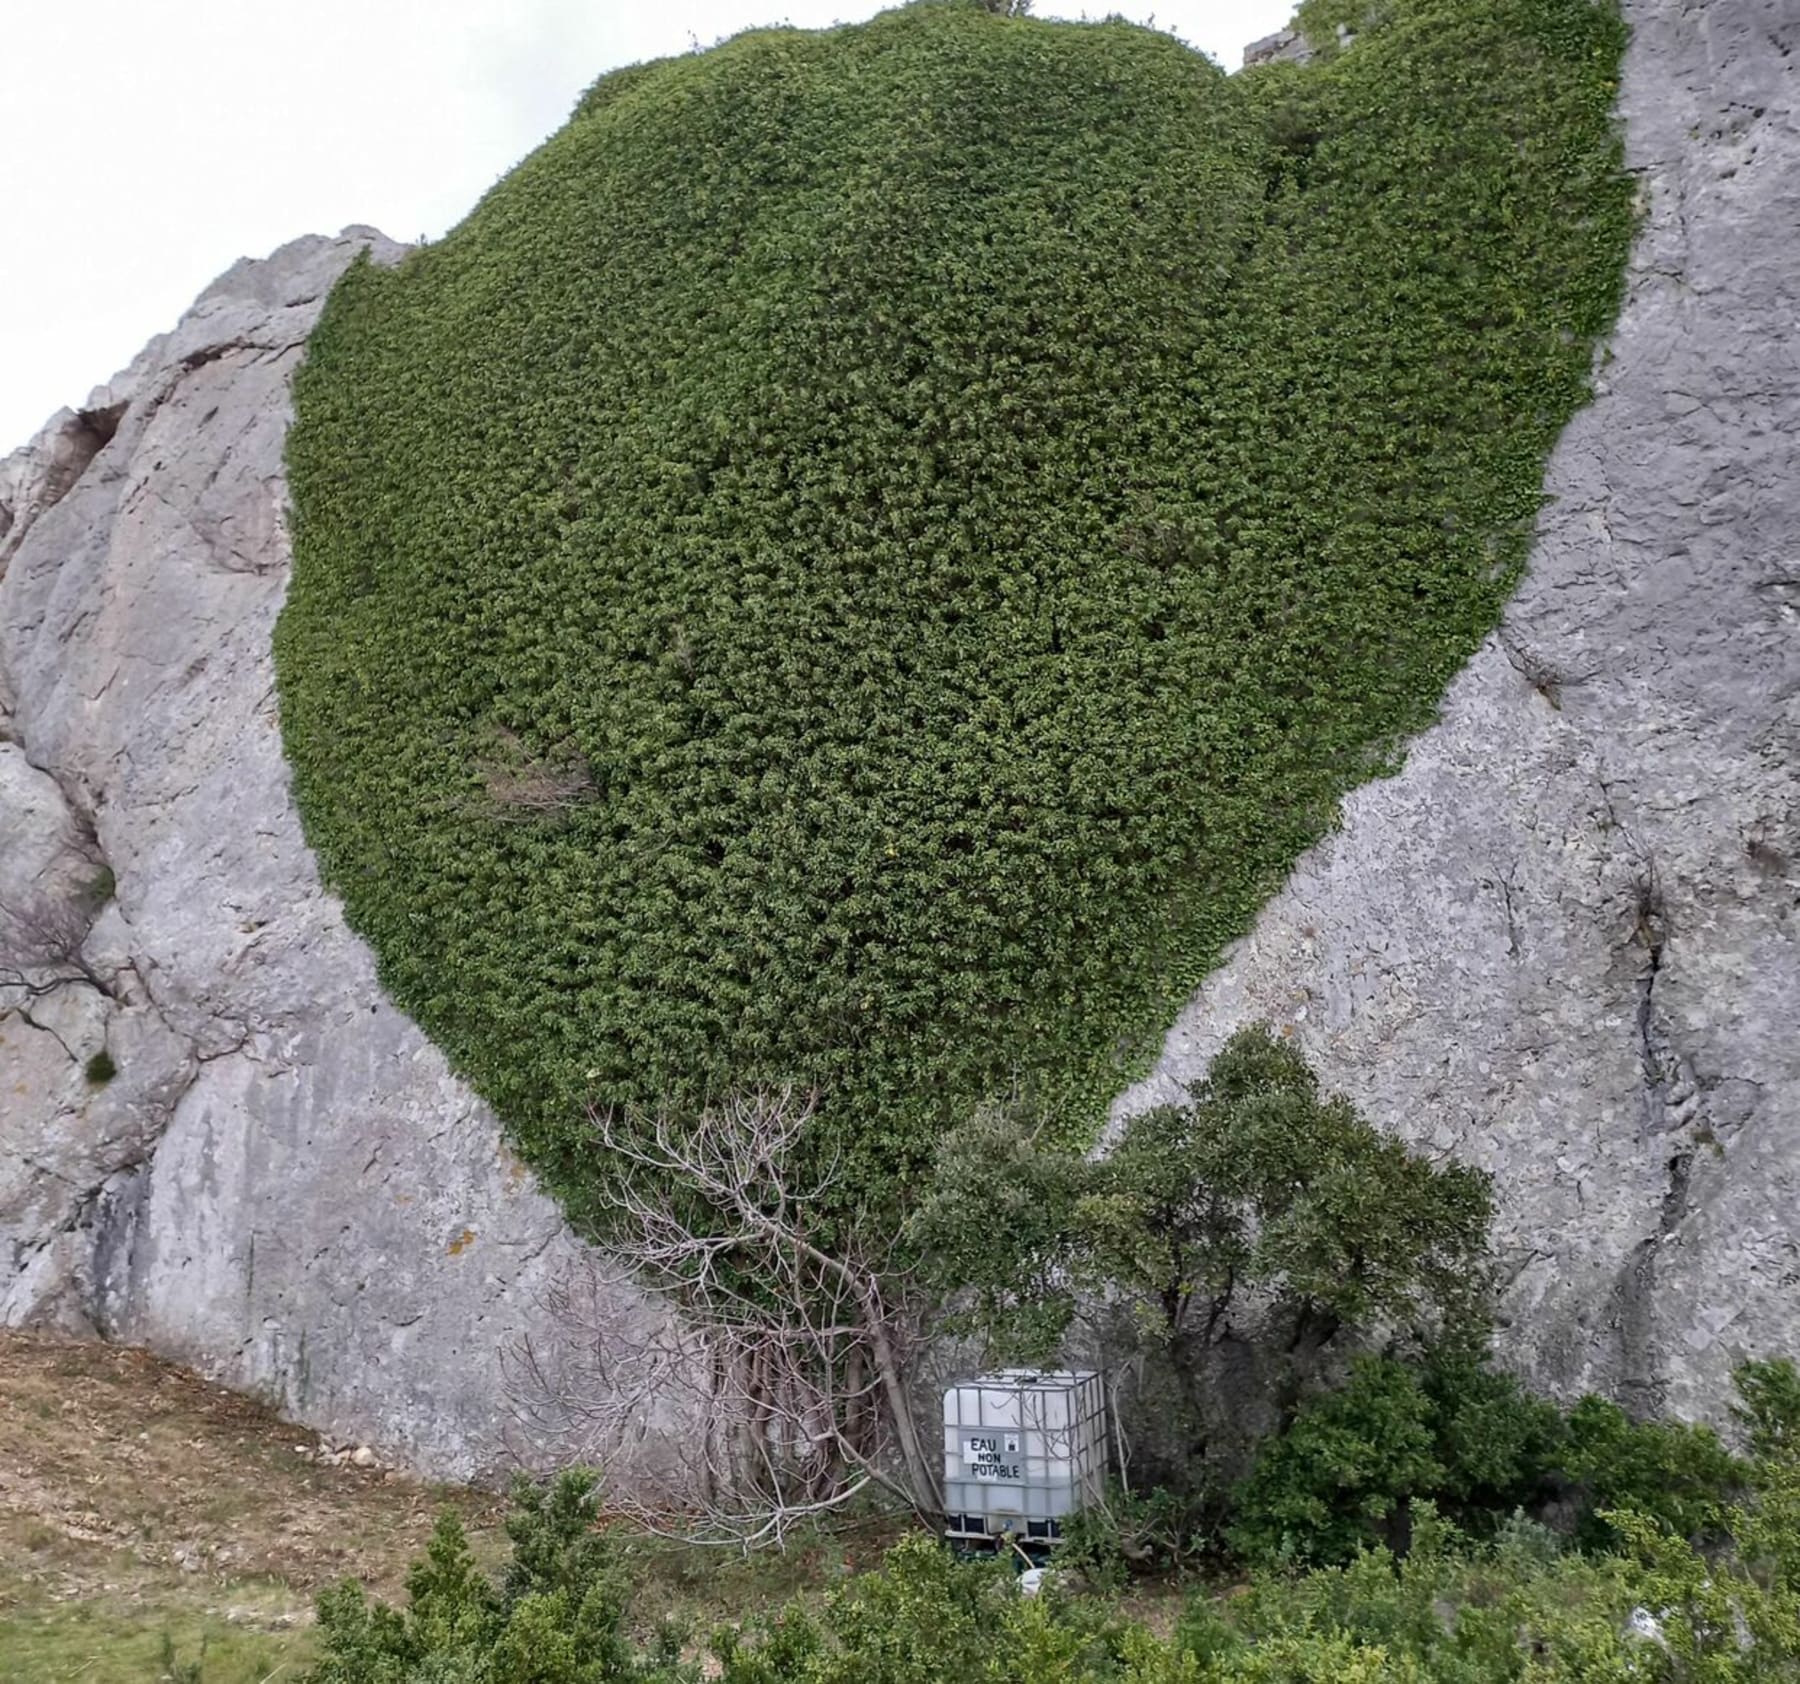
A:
[282, 1184]
[1563, 942]
[1285, 45]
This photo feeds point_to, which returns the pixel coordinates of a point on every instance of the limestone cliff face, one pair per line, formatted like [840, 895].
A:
[1561, 942]
[1564, 941]
[282, 1184]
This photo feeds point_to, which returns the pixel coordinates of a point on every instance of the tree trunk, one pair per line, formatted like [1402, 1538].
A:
[921, 1474]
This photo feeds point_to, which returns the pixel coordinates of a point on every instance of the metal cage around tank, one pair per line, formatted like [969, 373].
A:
[1023, 1450]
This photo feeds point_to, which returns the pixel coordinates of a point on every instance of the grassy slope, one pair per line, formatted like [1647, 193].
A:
[868, 555]
[138, 1502]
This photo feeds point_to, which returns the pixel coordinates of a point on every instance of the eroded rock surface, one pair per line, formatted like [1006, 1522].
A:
[1563, 942]
[281, 1183]
[1285, 45]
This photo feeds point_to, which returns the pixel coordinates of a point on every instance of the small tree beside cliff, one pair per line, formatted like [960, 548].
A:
[1243, 1229]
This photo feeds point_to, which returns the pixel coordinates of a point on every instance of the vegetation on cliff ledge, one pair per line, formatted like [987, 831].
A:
[867, 555]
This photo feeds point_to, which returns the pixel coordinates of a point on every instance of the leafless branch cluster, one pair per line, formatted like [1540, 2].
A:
[537, 789]
[41, 942]
[779, 1352]
[517, 783]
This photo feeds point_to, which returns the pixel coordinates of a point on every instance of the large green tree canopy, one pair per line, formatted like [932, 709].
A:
[870, 552]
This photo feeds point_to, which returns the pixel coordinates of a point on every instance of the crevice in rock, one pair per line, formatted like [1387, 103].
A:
[90, 433]
[1508, 887]
[1539, 674]
[44, 948]
[1673, 1113]
[105, 1216]
[82, 806]
[102, 1217]
[1652, 930]
[69, 451]
[111, 1220]
[209, 354]
[1643, 1388]
[24, 1015]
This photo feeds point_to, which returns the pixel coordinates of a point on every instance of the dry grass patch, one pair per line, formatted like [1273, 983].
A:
[138, 1501]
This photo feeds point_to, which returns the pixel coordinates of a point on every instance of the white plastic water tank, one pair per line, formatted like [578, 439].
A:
[1023, 1450]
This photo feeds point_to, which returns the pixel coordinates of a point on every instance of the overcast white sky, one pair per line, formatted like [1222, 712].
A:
[147, 144]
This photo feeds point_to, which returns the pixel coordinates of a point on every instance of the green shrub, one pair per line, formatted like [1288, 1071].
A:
[1717, 1619]
[1320, 20]
[1344, 1475]
[1452, 1612]
[100, 1069]
[869, 554]
[1455, 1610]
[556, 1616]
[1767, 1530]
[1678, 1475]
[923, 1617]
[1250, 1214]
[1340, 1477]
[1152, 1531]
[1498, 1445]
[1768, 1406]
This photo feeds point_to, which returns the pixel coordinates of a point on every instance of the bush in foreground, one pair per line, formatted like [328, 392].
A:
[556, 1616]
[1519, 1607]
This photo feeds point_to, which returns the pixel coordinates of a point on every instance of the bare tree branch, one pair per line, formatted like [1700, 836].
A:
[788, 1350]
[41, 942]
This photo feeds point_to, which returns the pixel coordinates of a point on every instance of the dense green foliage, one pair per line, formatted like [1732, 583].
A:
[1257, 1188]
[1768, 1406]
[1214, 1259]
[867, 556]
[1679, 1474]
[1517, 1611]
[1346, 1472]
[1518, 1608]
[555, 1617]
[1338, 1478]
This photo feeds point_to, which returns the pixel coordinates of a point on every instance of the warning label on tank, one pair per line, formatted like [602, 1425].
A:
[993, 1458]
